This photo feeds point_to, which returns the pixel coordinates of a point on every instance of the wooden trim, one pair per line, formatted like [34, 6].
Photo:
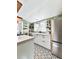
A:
[19, 17]
[19, 5]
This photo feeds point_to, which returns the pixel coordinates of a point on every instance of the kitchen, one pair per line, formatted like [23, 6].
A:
[39, 39]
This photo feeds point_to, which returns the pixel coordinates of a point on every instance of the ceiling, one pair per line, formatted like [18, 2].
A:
[36, 10]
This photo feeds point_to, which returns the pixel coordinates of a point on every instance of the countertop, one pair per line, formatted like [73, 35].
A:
[23, 38]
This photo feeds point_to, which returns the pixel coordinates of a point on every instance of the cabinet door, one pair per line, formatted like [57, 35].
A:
[43, 40]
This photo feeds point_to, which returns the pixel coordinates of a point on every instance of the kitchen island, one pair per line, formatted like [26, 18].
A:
[25, 47]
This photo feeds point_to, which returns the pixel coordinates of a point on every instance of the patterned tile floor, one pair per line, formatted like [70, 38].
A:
[42, 53]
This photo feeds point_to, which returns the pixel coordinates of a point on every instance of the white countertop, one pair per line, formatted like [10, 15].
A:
[23, 38]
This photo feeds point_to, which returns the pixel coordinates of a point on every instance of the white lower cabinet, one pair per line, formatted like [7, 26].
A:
[43, 40]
